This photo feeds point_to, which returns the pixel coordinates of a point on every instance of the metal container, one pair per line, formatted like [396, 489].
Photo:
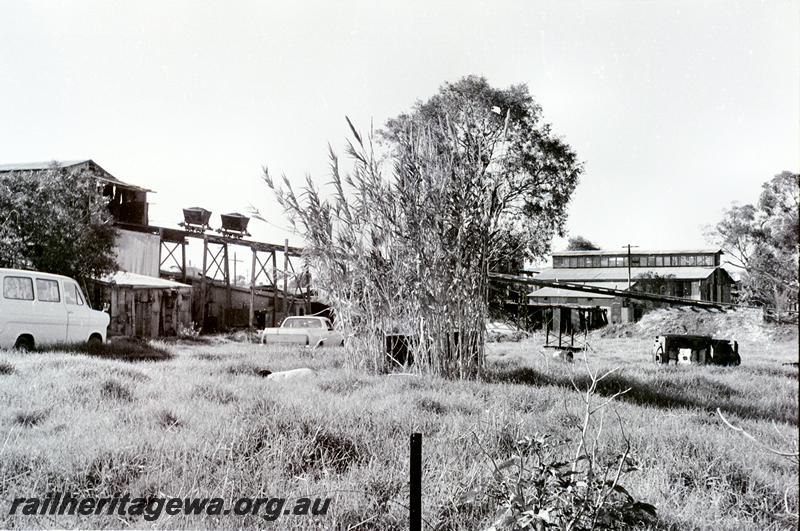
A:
[234, 223]
[196, 218]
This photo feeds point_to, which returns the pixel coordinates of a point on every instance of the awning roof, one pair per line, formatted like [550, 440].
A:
[134, 280]
[561, 292]
[620, 274]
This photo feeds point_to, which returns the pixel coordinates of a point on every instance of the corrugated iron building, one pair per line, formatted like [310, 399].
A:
[687, 273]
[138, 301]
[145, 306]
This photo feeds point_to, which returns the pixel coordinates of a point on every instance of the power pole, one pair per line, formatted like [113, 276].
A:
[628, 246]
[235, 261]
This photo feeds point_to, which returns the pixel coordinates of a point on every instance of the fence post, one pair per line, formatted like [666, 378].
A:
[415, 495]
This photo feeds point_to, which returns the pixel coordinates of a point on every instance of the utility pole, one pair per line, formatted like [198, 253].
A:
[628, 246]
[235, 261]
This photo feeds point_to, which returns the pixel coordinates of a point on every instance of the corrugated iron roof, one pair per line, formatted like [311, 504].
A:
[561, 292]
[40, 166]
[607, 274]
[635, 252]
[34, 166]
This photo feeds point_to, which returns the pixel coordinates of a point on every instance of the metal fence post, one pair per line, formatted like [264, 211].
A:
[415, 495]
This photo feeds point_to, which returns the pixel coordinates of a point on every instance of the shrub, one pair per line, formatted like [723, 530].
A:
[534, 488]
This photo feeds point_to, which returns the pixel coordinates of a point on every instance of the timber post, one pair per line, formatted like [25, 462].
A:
[226, 272]
[252, 287]
[203, 283]
[274, 289]
[285, 278]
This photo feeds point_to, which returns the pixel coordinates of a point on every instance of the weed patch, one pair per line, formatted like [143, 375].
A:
[668, 391]
[247, 370]
[324, 452]
[213, 393]
[115, 390]
[431, 406]
[113, 472]
[121, 349]
[29, 419]
[167, 420]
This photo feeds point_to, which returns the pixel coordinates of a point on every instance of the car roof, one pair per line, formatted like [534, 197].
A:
[687, 336]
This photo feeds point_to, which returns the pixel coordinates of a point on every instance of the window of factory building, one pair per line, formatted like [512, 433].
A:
[674, 260]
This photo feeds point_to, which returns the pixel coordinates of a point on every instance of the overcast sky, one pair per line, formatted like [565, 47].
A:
[676, 107]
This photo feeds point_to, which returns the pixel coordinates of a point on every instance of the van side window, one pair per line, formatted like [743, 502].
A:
[72, 294]
[19, 288]
[47, 290]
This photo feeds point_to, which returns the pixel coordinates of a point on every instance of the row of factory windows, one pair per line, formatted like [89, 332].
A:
[659, 260]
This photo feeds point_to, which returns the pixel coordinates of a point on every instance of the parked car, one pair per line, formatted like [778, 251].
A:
[304, 330]
[44, 309]
[690, 349]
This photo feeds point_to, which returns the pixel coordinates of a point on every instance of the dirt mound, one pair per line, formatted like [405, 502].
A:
[742, 325]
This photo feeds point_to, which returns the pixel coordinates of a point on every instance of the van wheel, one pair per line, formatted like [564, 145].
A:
[24, 343]
[94, 342]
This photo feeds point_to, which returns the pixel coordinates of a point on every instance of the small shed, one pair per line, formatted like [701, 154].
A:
[145, 306]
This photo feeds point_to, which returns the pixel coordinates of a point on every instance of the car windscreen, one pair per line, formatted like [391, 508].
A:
[296, 322]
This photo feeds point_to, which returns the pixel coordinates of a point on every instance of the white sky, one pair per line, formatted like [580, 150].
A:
[677, 107]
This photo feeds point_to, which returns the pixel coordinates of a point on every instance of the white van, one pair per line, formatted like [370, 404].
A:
[44, 309]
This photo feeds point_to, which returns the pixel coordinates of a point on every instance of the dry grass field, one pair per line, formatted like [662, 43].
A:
[203, 422]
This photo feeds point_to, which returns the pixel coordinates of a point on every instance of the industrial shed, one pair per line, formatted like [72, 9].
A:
[688, 273]
[145, 306]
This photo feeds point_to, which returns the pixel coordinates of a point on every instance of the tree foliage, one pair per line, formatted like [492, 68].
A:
[762, 239]
[475, 181]
[579, 243]
[56, 221]
[528, 173]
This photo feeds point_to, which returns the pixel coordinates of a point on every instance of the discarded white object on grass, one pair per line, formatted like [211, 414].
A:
[292, 374]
